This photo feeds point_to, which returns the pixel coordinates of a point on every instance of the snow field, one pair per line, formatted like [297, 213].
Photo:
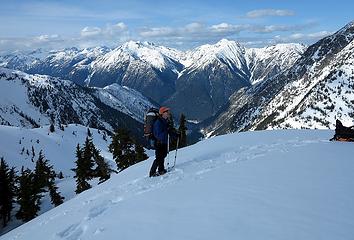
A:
[256, 185]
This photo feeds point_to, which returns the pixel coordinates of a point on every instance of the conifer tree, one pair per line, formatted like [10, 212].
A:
[60, 175]
[89, 134]
[83, 170]
[42, 173]
[140, 154]
[44, 178]
[27, 197]
[182, 129]
[7, 189]
[122, 148]
[102, 171]
[87, 155]
[13, 190]
[51, 128]
[55, 197]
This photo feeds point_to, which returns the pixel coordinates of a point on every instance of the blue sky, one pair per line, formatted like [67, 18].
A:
[182, 24]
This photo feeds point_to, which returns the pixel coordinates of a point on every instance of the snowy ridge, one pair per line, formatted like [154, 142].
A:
[270, 185]
[158, 57]
[37, 100]
[124, 99]
[230, 52]
[330, 96]
[58, 147]
[215, 72]
[268, 61]
[222, 68]
[313, 93]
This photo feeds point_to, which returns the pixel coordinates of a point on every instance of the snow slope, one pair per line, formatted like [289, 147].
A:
[58, 147]
[124, 99]
[285, 184]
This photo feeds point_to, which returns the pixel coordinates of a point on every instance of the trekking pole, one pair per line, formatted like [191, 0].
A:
[174, 163]
[168, 150]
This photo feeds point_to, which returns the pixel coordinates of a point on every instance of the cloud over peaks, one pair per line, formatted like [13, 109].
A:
[258, 13]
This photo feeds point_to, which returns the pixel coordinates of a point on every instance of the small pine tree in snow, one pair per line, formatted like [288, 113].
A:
[52, 128]
[102, 171]
[182, 129]
[140, 154]
[60, 175]
[89, 134]
[83, 170]
[56, 198]
[28, 198]
[45, 178]
[8, 189]
[122, 148]
[42, 173]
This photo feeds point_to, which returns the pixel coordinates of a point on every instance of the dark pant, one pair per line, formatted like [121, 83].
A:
[160, 153]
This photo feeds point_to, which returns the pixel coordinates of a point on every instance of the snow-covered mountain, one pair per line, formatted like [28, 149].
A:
[37, 100]
[312, 94]
[124, 99]
[143, 66]
[197, 82]
[212, 74]
[266, 62]
[22, 60]
[70, 63]
[254, 185]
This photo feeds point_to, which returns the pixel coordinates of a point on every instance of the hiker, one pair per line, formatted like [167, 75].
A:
[161, 129]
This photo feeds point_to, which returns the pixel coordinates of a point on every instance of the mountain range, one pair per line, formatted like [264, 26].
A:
[36, 100]
[313, 93]
[197, 83]
[226, 86]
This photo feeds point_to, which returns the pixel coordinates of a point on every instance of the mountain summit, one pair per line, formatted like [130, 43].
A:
[315, 91]
[197, 83]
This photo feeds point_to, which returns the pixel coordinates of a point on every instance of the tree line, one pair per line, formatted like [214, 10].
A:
[27, 189]
[90, 164]
[126, 152]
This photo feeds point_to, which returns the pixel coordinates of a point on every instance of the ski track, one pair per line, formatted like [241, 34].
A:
[194, 168]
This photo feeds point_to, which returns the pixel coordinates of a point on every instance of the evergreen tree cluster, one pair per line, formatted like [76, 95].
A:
[182, 130]
[181, 133]
[27, 189]
[126, 151]
[89, 164]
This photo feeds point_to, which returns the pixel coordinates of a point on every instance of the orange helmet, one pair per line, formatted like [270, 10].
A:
[163, 109]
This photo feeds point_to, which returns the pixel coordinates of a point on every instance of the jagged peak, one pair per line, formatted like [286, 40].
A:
[347, 27]
[228, 50]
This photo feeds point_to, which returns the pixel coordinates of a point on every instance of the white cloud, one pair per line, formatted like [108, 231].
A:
[321, 34]
[158, 32]
[302, 37]
[90, 31]
[184, 37]
[120, 26]
[228, 28]
[47, 38]
[269, 12]
[109, 32]
[193, 27]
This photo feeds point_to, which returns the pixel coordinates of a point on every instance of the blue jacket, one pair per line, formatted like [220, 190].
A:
[160, 130]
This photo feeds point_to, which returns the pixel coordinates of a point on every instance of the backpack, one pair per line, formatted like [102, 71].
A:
[150, 117]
